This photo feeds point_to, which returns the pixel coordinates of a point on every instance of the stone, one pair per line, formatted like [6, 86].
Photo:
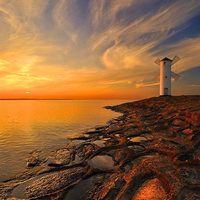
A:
[32, 162]
[117, 154]
[137, 148]
[151, 190]
[197, 146]
[189, 176]
[53, 182]
[102, 162]
[180, 123]
[187, 131]
[185, 157]
[138, 139]
[86, 188]
[61, 157]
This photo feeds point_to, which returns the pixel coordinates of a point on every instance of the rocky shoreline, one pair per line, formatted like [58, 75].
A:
[151, 152]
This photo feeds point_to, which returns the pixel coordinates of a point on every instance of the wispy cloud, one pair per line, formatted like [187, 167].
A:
[187, 50]
[144, 33]
[75, 45]
[141, 85]
[195, 85]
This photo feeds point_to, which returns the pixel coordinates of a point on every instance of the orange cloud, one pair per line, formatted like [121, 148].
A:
[90, 49]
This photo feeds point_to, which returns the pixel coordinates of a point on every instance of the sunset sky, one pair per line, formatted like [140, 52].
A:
[96, 49]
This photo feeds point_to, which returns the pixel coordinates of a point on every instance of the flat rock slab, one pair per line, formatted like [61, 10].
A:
[60, 157]
[51, 183]
[151, 190]
[103, 162]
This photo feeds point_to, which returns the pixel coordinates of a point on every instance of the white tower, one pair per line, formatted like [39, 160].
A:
[165, 74]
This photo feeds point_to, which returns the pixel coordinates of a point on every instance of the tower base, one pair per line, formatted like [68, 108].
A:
[164, 95]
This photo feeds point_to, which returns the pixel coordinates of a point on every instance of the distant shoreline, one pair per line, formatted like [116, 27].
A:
[37, 99]
[72, 99]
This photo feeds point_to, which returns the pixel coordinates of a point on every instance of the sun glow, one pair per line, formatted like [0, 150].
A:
[95, 50]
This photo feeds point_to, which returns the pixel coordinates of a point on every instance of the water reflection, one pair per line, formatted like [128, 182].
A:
[44, 125]
[103, 162]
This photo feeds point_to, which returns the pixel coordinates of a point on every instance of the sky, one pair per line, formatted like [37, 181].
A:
[96, 49]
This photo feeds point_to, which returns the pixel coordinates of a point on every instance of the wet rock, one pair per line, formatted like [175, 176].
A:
[102, 162]
[99, 143]
[32, 162]
[34, 159]
[51, 183]
[118, 155]
[82, 138]
[61, 157]
[112, 142]
[84, 150]
[137, 148]
[94, 132]
[78, 141]
[86, 188]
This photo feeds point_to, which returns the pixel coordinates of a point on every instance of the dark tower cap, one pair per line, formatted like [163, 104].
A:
[164, 59]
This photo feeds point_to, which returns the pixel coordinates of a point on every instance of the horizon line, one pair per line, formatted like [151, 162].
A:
[60, 99]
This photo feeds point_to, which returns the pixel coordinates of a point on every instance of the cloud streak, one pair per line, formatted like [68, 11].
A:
[76, 45]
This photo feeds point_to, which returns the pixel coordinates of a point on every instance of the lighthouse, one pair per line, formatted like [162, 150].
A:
[165, 75]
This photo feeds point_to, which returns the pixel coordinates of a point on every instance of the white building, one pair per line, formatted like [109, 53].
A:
[165, 74]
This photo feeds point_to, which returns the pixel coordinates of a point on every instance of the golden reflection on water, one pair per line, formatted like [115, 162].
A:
[26, 125]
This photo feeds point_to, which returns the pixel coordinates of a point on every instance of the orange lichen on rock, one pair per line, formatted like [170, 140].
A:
[187, 131]
[151, 190]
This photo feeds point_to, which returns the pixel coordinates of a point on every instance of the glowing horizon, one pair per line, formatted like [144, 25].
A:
[91, 49]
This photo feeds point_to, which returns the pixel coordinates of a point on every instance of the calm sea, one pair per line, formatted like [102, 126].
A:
[44, 125]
